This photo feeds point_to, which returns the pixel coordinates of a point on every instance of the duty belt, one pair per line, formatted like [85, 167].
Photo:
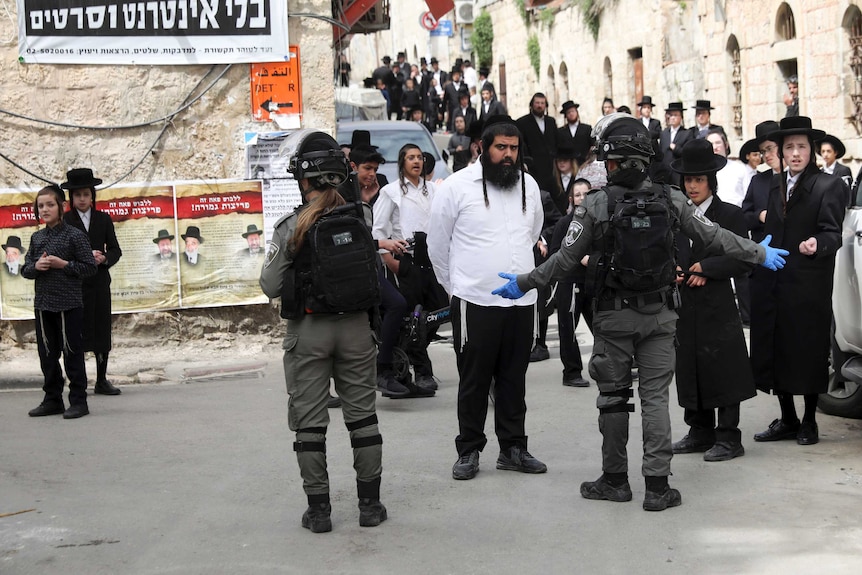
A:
[635, 301]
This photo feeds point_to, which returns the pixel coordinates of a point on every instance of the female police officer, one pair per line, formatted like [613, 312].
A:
[324, 268]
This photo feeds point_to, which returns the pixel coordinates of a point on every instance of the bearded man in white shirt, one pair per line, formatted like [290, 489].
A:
[485, 218]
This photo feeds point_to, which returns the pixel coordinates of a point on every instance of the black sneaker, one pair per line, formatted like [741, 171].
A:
[317, 518]
[519, 459]
[723, 451]
[654, 501]
[105, 387]
[600, 489]
[689, 444]
[76, 411]
[47, 409]
[371, 513]
[467, 466]
[416, 391]
[427, 382]
[391, 387]
[539, 353]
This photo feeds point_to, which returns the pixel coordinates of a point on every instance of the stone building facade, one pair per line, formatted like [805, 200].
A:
[735, 53]
[203, 142]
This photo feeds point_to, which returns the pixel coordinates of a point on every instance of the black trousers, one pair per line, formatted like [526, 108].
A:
[393, 308]
[496, 346]
[567, 321]
[62, 333]
[703, 424]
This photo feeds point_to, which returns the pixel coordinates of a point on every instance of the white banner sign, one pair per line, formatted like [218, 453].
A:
[152, 31]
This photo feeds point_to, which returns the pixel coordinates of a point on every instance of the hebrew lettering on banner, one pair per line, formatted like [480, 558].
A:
[152, 31]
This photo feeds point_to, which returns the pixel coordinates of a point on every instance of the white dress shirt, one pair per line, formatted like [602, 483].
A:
[398, 215]
[85, 218]
[730, 183]
[470, 244]
[574, 128]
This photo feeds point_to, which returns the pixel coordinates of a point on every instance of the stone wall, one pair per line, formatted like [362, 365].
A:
[203, 142]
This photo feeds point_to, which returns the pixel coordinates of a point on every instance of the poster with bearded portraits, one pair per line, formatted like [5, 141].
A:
[220, 253]
[17, 224]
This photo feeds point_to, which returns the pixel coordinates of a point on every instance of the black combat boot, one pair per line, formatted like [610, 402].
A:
[317, 516]
[371, 512]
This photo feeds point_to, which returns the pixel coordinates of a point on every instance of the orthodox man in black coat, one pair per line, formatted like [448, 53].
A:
[712, 369]
[539, 140]
[575, 134]
[673, 138]
[645, 107]
[96, 289]
[792, 308]
[831, 149]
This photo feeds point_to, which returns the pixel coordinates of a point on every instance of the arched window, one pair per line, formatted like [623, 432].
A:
[785, 24]
[735, 82]
[551, 88]
[609, 78]
[852, 25]
[564, 82]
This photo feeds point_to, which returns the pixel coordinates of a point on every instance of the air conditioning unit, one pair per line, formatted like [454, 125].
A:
[464, 12]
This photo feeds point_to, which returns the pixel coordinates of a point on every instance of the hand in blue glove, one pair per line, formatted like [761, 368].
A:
[774, 260]
[509, 290]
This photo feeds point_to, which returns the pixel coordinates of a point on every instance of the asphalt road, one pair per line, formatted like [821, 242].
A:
[200, 478]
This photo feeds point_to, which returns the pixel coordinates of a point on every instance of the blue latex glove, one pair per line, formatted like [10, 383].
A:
[509, 290]
[774, 260]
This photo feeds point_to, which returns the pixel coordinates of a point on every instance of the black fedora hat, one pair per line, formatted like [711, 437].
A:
[13, 242]
[434, 60]
[702, 105]
[566, 153]
[836, 144]
[252, 230]
[796, 126]
[748, 147]
[359, 138]
[674, 107]
[386, 59]
[193, 232]
[162, 235]
[646, 101]
[80, 178]
[568, 105]
[761, 131]
[698, 158]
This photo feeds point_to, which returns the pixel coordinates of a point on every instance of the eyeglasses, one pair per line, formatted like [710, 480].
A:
[768, 149]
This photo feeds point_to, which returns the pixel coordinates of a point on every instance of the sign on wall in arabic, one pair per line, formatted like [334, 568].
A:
[152, 32]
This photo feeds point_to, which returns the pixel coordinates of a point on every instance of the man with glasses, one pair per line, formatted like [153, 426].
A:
[757, 195]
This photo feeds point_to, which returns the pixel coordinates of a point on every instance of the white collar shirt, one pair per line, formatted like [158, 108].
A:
[704, 205]
[574, 128]
[829, 169]
[730, 183]
[470, 243]
[398, 215]
[540, 121]
[791, 183]
[85, 218]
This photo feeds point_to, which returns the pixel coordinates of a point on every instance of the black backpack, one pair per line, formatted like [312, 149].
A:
[336, 269]
[640, 248]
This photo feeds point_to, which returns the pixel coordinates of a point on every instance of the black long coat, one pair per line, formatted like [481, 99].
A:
[97, 288]
[791, 309]
[580, 142]
[712, 368]
[542, 147]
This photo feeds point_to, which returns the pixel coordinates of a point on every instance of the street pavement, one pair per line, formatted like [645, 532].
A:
[200, 477]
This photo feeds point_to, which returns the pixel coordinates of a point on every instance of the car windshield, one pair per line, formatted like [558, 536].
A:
[388, 142]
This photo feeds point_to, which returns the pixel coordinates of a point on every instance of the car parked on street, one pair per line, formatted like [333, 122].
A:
[389, 136]
[844, 396]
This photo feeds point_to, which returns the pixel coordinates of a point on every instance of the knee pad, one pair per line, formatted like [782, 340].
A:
[310, 439]
[364, 433]
[615, 401]
[367, 446]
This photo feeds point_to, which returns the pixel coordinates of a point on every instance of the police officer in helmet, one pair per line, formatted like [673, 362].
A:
[326, 337]
[623, 233]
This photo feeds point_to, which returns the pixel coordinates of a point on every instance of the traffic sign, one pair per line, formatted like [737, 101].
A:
[428, 21]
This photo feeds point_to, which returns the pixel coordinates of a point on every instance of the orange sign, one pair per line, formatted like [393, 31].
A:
[275, 88]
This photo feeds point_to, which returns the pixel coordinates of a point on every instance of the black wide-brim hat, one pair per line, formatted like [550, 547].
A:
[252, 230]
[702, 105]
[13, 242]
[836, 144]
[796, 126]
[162, 235]
[646, 101]
[674, 107]
[761, 133]
[79, 178]
[698, 158]
[566, 153]
[568, 105]
[193, 232]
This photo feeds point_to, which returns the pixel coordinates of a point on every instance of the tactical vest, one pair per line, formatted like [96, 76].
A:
[639, 244]
[335, 271]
